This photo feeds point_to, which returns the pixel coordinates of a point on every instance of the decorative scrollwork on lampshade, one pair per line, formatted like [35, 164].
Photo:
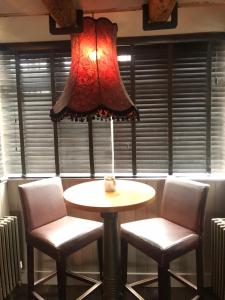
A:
[94, 88]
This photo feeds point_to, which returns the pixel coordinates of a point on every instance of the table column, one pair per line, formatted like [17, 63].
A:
[112, 261]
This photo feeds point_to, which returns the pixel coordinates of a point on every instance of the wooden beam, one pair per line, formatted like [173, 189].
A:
[160, 10]
[198, 4]
[62, 11]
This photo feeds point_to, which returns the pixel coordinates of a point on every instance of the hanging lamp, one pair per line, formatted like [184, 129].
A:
[94, 88]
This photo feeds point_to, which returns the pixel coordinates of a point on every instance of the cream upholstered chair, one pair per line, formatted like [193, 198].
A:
[177, 231]
[50, 230]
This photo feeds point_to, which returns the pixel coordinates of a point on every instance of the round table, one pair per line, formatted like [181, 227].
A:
[91, 196]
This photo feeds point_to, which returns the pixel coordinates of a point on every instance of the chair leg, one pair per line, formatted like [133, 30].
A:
[100, 257]
[163, 283]
[30, 270]
[199, 271]
[61, 277]
[124, 256]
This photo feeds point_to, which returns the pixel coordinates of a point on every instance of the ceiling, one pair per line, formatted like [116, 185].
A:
[36, 7]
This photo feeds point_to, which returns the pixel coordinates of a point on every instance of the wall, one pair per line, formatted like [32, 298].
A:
[86, 259]
[190, 19]
[4, 203]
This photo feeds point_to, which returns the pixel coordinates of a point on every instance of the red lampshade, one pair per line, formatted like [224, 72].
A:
[94, 87]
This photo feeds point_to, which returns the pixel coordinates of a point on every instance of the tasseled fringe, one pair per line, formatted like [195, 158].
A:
[101, 113]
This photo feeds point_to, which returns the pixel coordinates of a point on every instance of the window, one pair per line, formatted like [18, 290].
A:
[10, 137]
[189, 108]
[179, 89]
[152, 95]
[218, 108]
[73, 138]
[34, 72]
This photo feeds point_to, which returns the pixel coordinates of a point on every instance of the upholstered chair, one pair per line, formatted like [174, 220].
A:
[50, 230]
[178, 230]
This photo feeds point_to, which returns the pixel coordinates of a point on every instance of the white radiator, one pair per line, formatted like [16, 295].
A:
[9, 255]
[218, 257]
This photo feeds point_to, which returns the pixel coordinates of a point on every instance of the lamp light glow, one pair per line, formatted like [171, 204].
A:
[93, 54]
[94, 87]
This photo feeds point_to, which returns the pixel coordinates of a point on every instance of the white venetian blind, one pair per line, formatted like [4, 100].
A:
[9, 115]
[1, 153]
[35, 88]
[218, 108]
[189, 109]
[1, 161]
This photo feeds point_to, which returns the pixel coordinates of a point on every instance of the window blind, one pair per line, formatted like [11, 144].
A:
[1, 156]
[102, 147]
[189, 107]
[218, 108]
[177, 88]
[36, 98]
[9, 115]
[151, 94]
[122, 130]
[73, 143]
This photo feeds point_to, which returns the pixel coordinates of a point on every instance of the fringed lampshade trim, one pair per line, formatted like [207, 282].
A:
[100, 113]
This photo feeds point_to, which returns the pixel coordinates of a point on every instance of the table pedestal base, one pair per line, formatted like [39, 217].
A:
[112, 261]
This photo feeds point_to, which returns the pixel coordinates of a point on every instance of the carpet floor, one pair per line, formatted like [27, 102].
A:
[50, 293]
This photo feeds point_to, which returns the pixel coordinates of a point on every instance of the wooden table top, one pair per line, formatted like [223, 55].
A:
[91, 196]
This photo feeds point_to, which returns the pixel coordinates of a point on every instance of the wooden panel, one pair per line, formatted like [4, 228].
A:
[159, 11]
[63, 12]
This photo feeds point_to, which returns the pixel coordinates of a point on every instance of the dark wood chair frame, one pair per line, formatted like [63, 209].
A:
[163, 277]
[60, 272]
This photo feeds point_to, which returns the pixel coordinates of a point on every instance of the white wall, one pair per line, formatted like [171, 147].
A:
[190, 19]
[4, 203]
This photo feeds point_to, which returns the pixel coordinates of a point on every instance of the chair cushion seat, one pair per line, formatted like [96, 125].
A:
[159, 238]
[67, 234]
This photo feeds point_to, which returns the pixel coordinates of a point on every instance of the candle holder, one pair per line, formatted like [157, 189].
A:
[110, 183]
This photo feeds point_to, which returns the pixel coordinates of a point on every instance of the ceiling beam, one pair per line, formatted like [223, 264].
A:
[138, 7]
[160, 11]
[62, 11]
[219, 3]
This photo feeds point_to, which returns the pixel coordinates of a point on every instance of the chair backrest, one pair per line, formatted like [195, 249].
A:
[42, 202]
[183, 202]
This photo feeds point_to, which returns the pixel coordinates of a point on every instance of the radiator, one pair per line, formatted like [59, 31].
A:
[9, 256]
[218, 257]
